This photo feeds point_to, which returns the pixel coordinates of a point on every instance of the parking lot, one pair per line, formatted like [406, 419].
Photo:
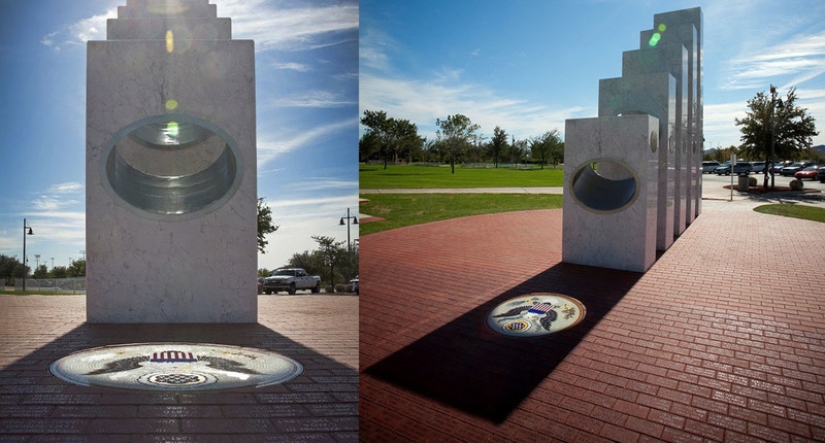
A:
[780, 180]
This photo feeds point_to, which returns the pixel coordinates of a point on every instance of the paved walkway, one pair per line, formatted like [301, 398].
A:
[721, 340]
[321, 405]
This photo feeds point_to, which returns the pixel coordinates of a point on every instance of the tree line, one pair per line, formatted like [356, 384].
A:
[393, 140]
[11, 268]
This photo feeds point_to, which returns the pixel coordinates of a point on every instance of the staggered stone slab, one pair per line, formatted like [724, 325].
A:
[661, 80]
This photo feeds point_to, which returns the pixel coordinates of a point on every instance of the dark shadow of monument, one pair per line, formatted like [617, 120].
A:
[466, 365]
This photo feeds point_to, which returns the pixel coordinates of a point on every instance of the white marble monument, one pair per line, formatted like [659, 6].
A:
[662, 81]
[610, 192]
[171, 214]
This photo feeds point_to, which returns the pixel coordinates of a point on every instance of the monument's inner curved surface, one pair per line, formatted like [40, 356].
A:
[169, 166]
[604, 186]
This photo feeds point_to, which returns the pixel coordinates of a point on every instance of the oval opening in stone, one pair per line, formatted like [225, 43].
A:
[604, 185]
[171, 166]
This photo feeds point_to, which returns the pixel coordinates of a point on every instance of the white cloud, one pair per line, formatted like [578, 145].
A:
[270, 146]
[314, 99]
[300, 67]
[793, 61]
[288, 28]
[66, 188]
[422, 101]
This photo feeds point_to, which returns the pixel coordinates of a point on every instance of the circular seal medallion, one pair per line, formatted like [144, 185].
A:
[175, 366]
[535, 315]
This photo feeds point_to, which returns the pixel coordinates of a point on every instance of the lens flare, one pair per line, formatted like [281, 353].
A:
[171, 105]
[662, 27]
[654, 40]
[170, 41]
[172, 129]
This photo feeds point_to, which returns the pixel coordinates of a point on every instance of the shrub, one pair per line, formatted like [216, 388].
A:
[752, 181]
[339, 287]
[329, 289]
[348, 288]
[796, 185]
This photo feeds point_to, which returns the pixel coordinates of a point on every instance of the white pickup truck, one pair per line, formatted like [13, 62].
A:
[291, 280]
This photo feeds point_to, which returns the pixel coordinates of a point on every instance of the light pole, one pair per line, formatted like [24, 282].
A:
[25, 233]
[354, 221]
[774, 103]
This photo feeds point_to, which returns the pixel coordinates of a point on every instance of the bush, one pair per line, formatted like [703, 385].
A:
[348, 289]
[329, 289]
[752, 181]
[339, 287]
[796, 185]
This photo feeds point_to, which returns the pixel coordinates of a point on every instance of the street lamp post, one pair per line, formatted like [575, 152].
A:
[774, 104]
[354, 221]
[25, 233]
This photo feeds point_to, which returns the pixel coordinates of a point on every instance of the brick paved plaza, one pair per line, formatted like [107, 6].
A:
[321, 405]
[721, 340]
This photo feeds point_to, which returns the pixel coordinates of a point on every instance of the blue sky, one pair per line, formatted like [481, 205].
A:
[529, 65]
[307, 95]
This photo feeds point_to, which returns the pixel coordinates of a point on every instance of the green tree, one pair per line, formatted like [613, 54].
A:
[498, 145]
[518, 150]
[775, 129]
[41, 272]
[332, 253]
[393, 137]
[264, 224]
[312, 262]
[59, 272]
[10, 267]
[77, 268]
[546, 148]
[458, 133]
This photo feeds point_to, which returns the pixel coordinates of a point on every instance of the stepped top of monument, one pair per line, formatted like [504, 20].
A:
[152, 19]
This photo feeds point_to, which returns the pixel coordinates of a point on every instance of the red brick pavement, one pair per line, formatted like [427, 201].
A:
[321, 405]
[721, 340]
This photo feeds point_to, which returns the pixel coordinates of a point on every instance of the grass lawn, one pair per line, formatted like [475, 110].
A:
[399, 210]
[795, 211]
[422, 177]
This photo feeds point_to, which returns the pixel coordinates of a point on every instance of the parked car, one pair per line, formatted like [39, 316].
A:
[794, 168]
[356, 285]
[740, 168]
[291, 280]
[758, 167]
[709, 166]
[820, 174]
[809, 172]
[777, 168]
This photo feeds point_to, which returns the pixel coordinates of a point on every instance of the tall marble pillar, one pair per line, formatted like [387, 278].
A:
[171, 226]
[661, 81]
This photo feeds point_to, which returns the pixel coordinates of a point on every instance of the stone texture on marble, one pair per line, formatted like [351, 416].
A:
[671, 58]
[623, 237]
[196, 263]
[685, 27]
[660, 81]
[653, 94]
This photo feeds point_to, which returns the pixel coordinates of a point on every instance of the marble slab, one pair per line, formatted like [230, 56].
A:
[653, 94]
[161, 249]
[618, 232]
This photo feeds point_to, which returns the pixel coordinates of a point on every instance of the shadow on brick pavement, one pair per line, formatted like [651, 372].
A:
[319, 405]
[507, 368]
[721, 340]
